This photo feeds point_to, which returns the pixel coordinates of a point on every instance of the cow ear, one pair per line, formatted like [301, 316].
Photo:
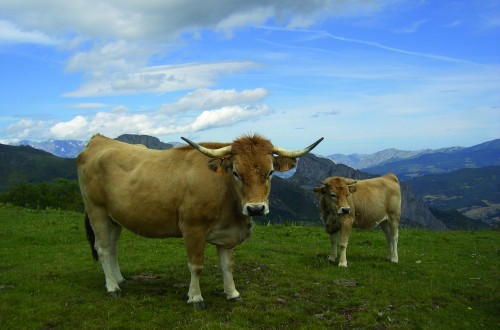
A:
[282, 164]
[352, 188]
[220, 165]
[319, 191]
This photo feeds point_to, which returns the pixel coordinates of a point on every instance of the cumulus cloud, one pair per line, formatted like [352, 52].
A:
[119, 48]
[113, 41]
[26, 128]
[208, 99]
[159, 79]
[119, 120]
[154, 19]
[9, 33]
[225, 116]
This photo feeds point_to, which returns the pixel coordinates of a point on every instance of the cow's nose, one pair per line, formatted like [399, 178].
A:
[346, 210]
[255, 209]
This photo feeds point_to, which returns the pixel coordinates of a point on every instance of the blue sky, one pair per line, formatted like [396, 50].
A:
[366, 75]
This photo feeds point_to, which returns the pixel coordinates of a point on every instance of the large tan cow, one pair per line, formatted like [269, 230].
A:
[181, 192]
[345, 203]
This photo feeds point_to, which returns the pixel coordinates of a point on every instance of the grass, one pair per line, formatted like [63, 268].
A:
[444, 280]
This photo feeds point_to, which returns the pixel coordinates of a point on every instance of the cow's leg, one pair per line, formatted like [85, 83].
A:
[345, 229]
[106, 245]
[226, 258]
[334, 238]
[386, 227]
[195, 249]
[115, 232]
[394, 224]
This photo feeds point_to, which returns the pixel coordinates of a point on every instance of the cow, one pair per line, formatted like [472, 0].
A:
[206, 193]
[345, 203]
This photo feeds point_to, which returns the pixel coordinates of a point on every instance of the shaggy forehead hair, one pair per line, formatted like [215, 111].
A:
[337, 184]
[254, 144]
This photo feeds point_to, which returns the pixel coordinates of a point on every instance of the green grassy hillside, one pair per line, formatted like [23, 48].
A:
[445, 280]
[24, 164]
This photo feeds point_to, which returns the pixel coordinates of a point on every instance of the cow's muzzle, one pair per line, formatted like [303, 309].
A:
[255, 209]
[344, 210]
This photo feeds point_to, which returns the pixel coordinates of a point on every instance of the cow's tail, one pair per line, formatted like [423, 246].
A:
[90, 236]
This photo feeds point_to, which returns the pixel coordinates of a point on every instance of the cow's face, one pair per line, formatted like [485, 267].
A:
[252, 165]
[335, 199]
[251, 162]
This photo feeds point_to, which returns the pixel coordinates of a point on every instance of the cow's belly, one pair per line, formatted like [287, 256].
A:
[230, 236]
[368, 222]
[160, 227]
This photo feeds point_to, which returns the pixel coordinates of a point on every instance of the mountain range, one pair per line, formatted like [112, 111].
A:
[60, 148]
[292, 199]
[361, 161]
[405, 164]
[409, 164]
[71, 148]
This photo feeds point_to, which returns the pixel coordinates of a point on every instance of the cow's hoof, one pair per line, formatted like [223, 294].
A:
[115, 294]
[198, 305]
[236, 299]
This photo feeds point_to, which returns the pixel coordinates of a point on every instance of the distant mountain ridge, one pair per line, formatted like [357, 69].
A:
[71, 148]
[361, 161]
[149, 141]
[481, 155]
[471, 191]
[60, 148]
[291, 199]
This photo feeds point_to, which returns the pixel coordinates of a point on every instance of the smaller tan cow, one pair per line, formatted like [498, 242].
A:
[345, 203]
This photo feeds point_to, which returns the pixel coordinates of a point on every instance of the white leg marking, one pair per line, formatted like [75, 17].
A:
[226, 258]
[105, 245]
[394, 245]
[105, 257]
[194, 293]
[343, 257]
[114, 236]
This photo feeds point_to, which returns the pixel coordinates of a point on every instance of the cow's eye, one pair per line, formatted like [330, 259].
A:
[333, 195]
[236, 175]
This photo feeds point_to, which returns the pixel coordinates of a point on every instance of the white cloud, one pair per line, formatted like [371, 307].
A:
[88, 105]
[26, 128]
[158, 79]
[202, 99]
[226, 116]
[165, 20]
[119, 120]
[9, 33]
[114, 41]
[76, 127]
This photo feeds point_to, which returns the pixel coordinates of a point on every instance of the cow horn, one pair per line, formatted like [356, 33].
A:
[213, 153]
[295, 153]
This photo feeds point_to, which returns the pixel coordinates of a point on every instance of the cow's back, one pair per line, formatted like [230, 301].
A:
[375, 199]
